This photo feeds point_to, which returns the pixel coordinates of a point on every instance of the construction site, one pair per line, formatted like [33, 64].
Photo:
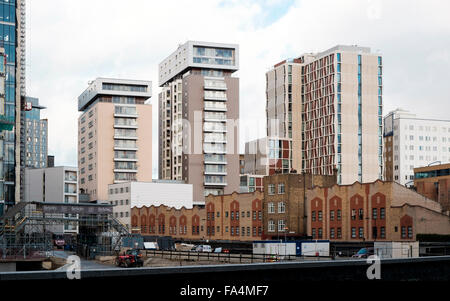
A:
[28, 231]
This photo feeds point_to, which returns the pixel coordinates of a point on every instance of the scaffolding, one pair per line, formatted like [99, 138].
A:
[28, 228]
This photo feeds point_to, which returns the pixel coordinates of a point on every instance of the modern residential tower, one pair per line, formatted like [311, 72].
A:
[324, 116]
[114, 135]
[198, 113]
[34, 139]
[342, 115]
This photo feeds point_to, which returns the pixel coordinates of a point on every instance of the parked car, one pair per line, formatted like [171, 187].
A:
[131, 258]
[364, 253]
[203, 248]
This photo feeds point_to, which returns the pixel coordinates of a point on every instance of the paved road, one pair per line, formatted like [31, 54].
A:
[85, 264]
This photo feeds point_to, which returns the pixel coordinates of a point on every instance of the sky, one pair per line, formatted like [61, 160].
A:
[70, 42]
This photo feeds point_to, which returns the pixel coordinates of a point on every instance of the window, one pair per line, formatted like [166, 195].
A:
[271, 188]
[382, 213]
[353, 232]
[281, 188]
[361, 232]
[281, 207]
[383, 232]
[313, 233]
[403, 232]
[320, 232]
[313, 216]
[271, 208]
[361, 214]
[374, 213]
[339, 214]
[332, 215]
[332, 232]
[319, 215]
[410, 233]
[339, 233]
[281, 225]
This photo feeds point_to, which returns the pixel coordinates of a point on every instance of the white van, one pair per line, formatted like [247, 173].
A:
[203, 248]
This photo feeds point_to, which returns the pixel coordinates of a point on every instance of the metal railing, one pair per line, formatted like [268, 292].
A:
[228, 257]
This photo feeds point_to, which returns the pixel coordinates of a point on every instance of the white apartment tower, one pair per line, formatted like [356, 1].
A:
[412, 142]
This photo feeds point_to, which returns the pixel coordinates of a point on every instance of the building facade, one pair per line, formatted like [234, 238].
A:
[301, 206]
[232, 217]
[434, 183]
[372, 212]
[324, 113]
[342, 113]
[53, 185]
[250, 183]
[413, 142]
[198, 113]
[114, 135]
[12, 41]
[268, 156]
[284, 203]
[283, 113]
[125, 196]
[34, 139]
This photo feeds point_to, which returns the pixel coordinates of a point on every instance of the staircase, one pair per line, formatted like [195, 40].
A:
[121, 229]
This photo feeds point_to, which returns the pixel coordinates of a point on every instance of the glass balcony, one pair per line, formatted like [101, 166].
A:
[215, 159]
[215, 85]
[215, 181]
[215, 106]
[215, 95]
[121, 122]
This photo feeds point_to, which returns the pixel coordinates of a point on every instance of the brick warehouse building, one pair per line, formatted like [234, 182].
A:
[297, 206]
[236, 216]
[372, 211]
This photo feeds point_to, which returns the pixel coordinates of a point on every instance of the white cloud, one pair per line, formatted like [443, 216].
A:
[73, 41]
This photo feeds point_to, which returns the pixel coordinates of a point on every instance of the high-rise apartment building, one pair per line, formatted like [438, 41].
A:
[412, 142]
[114, 135]
[34, 139]
[326, 109]
[342, 117]
[283, 114]
[12, 41]
[198, 113]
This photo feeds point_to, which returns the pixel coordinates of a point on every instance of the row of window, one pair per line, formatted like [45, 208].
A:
[271, 188]
[281, 226]
[234, 215]
[121, 214]
[271, 207]
[121, 202]
[406, 232]
[355, 214]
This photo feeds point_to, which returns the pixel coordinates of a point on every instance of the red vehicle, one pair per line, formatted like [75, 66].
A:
[131, 258]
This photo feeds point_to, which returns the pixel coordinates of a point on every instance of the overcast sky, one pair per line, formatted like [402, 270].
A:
[70, 42]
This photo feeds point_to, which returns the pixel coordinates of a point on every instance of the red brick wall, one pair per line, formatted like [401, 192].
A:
[406, 222]
[316, 207]
[235, 222]
[356, 221]
[379, 203]
[336, 222]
